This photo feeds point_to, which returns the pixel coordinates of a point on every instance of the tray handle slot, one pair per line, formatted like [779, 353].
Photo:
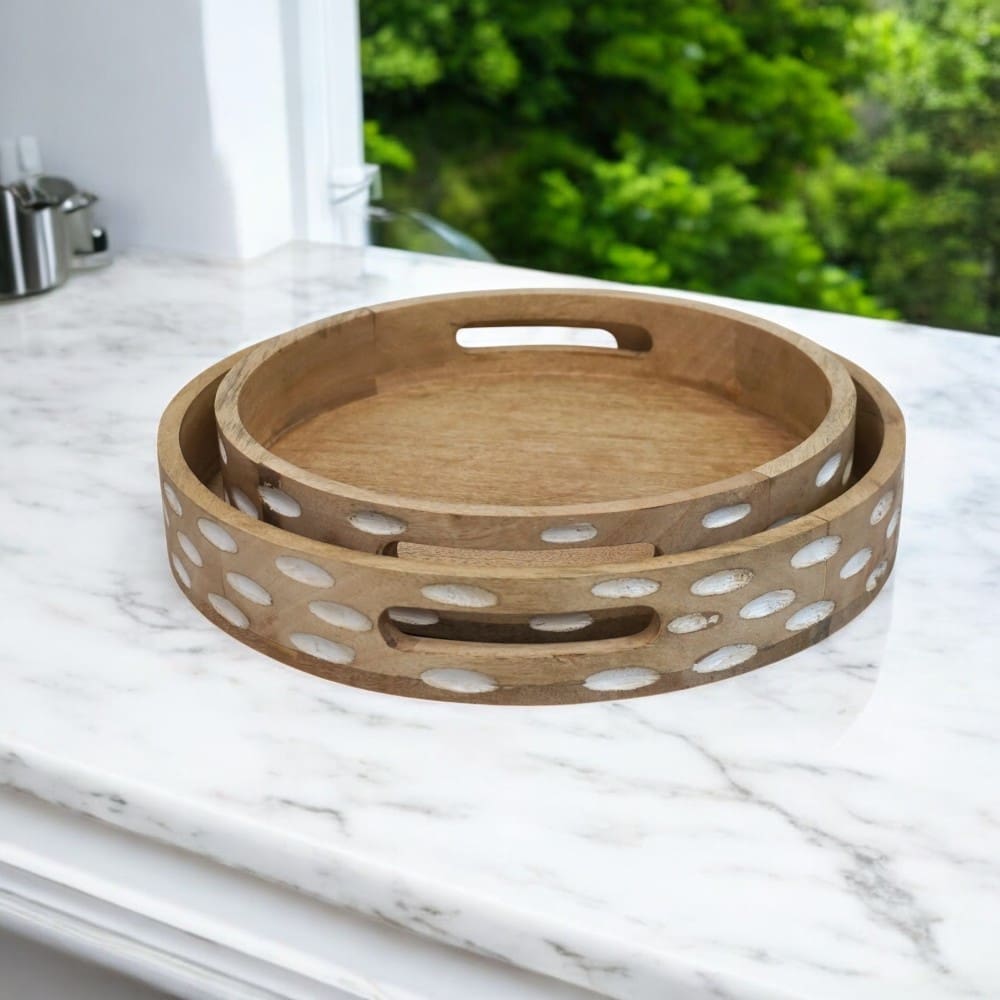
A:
[505, 335]
[422, 630]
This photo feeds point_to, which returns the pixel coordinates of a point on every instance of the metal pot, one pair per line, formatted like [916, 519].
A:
[35, 251]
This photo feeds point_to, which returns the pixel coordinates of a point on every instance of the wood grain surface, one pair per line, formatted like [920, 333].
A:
[702, 426]
[522, 633]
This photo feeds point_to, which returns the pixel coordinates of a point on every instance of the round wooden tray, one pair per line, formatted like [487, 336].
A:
[514, 634]
[378, 427]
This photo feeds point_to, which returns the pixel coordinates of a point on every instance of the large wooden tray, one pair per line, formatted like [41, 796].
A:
[514, 634]
[378, 427]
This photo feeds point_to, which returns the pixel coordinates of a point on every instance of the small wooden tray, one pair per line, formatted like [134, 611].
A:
[377, 426]
[507, 634]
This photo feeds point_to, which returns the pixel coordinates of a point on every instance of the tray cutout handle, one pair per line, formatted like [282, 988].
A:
[603, 631]
[492, 335]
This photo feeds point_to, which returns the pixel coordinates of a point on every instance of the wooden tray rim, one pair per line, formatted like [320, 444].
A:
[840, 411]
[176, 468]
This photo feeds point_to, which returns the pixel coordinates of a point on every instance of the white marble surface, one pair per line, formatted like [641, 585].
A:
[825, 827]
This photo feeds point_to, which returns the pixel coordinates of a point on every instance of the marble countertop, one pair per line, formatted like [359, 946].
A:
[828, 826]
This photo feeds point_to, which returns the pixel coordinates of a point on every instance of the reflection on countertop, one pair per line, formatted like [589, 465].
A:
[823, 827]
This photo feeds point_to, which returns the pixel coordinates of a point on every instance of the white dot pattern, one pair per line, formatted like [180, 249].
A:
[465, 681]
[816, 552]
[876, 575]
[249, 589]
[322, 649]
[893, 524]
[458, 680]
[226, 609]
[767, 604]
[569, 534]
[459, 595]
[723, 582]
[856, 563]
[810, 615]
[724, 516]
[340, 616]
[242, 502]
[217, 535]
[171, 495]
[303, 571]
[625, 587]
[782, 521]
[180, 570]
[188, 548]
[371, 522]
[882, 507]
[828, 469]
[725, 658]
[694, 622]
[239, 604]
[279, 501]
[621, 679]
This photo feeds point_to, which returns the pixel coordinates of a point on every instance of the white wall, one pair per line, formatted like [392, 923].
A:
[196, 122]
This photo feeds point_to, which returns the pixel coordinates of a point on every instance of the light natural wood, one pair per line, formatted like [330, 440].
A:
[523, 440]
[500, 639]
[380, 411]
[552, 556]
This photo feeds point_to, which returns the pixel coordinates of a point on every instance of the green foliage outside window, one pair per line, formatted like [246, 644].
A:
[841, 156]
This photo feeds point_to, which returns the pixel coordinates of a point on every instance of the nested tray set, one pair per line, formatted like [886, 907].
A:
[378, 500]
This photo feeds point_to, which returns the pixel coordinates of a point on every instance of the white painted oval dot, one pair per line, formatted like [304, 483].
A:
[817, 551]
[828, 469]
[570, 621]
[459, 595]
[371, 522]
[694, 622]
[180, 570]
[279, 501]
[767, 604]
[725, 515]
[723, 582]
[228, 610]
[893, 524]
[882, 507]
[625, 587]
[567, 534]
[242, 502]
[171, 494]
[875, 575]
[217, 535]
[322, 649]
[725, 658]
[413, 616]
[187, 547]
[250, 589]
[855, 564]
[303, 571]
[787, 519]
[621, 679]
[340, 616]
[223, 454]
[458, 680]
[811, 614]
[848, 469]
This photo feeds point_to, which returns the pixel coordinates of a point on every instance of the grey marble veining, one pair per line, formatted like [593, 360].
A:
[828, 826]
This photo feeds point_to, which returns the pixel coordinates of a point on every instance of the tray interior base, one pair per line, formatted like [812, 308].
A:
[535, 439]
